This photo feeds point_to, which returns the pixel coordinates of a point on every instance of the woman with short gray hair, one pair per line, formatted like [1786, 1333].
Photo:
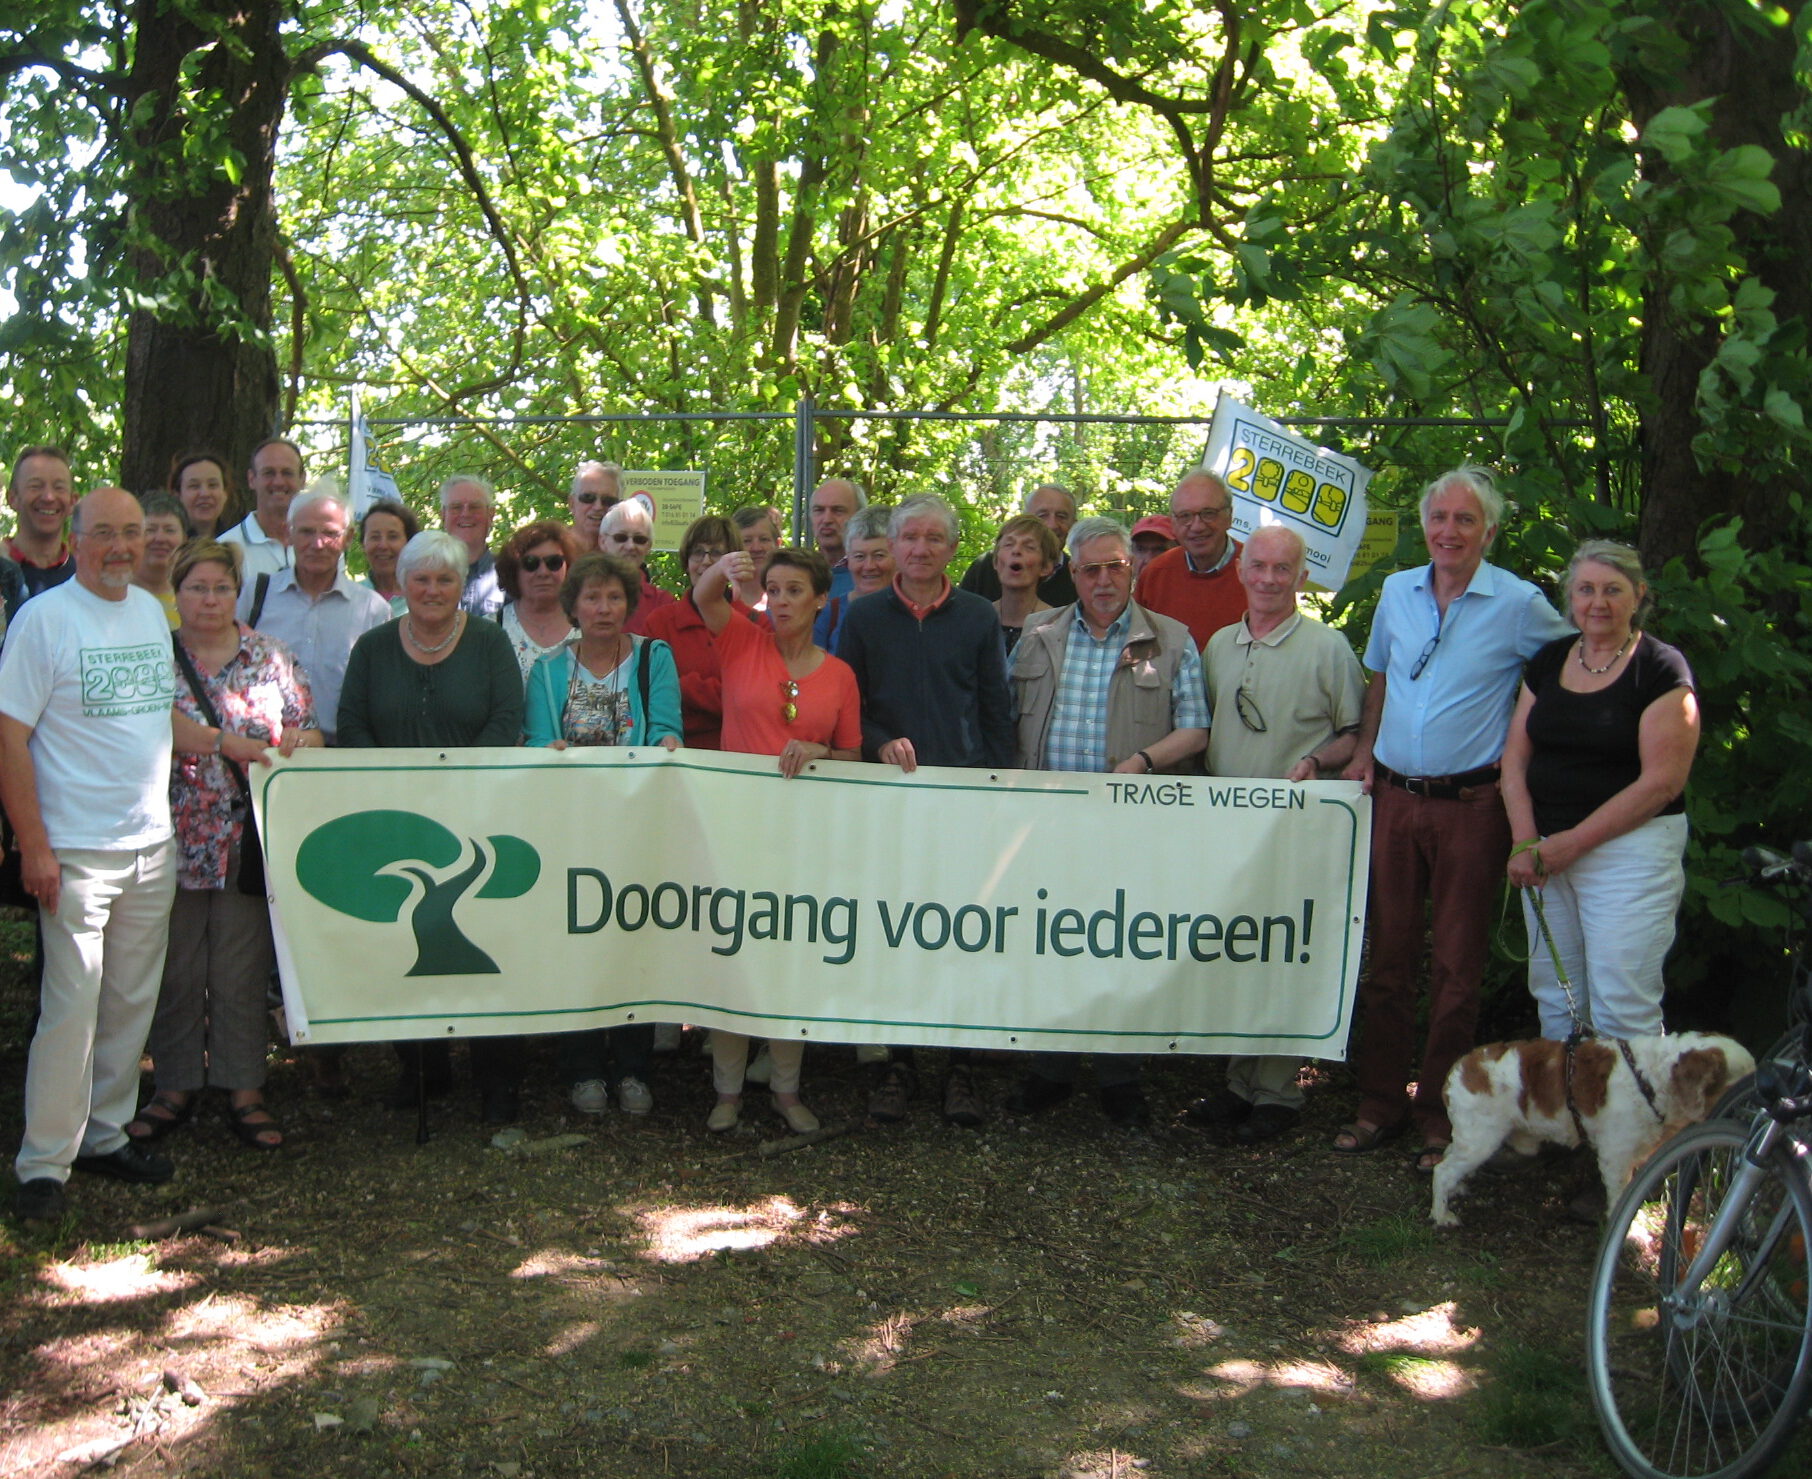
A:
[1594, 767]
[438, 678]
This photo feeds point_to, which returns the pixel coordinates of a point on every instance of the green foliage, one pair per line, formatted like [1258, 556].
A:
[1533, 1399]
[1390, 1239]
[824, 1456]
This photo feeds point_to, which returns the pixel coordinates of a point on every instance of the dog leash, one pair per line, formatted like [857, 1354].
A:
[1580, 1029]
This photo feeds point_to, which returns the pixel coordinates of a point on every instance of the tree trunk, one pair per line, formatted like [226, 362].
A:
[1747, 66]
[201, 370]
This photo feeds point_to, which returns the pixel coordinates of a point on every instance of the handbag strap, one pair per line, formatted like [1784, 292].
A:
[208, 711]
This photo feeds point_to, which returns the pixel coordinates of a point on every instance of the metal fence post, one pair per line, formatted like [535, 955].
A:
[804, 439]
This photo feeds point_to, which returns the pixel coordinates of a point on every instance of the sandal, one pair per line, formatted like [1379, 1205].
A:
[1361, 1138]
[1428, 1157]
[159, 1115]
[254, 1133]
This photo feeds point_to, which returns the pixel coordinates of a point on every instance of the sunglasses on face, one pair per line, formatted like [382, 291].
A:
[532, 563]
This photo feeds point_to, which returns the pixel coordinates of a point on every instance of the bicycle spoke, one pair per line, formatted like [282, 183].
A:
[1691, 1383]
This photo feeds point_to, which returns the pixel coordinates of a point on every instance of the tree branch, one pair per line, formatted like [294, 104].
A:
[1079, 305]
[358, 51]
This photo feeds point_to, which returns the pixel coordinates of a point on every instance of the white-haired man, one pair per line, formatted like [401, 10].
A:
[1055, 508]
[1446, 653]
[833, 502]
[1079, 707]
[468, 508]
[314, 608]
[86, 693]
[1287, 694]
[597, 488]
[931, 666]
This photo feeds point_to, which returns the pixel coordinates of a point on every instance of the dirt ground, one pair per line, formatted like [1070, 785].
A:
[1041, 1297]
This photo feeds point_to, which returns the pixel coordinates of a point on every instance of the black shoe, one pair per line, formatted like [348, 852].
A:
[1221, 1110]
[888, 1101]
[39, 1200]
[962, 1105]
[502, 1104]
[129, 1163]
[1036, 1093]
[1267, 1122]
[1125, 1106]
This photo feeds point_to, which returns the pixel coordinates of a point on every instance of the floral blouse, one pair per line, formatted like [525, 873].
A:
[528, 650]
[261, 692]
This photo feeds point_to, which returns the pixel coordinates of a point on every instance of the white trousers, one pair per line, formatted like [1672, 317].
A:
[730, 1055]
[103, 962]
[1612, 918]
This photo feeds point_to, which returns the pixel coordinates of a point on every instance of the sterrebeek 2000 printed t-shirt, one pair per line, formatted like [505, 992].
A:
[94, 679]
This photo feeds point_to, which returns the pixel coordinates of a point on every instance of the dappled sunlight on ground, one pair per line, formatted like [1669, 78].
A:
[1241, 1378]
[277, 1332]
[686, 1234]
[133, 1277]
[1432, 1332]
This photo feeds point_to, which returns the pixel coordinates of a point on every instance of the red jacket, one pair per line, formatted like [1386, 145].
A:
[701, 683]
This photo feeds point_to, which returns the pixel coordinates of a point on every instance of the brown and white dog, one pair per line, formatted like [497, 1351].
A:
[1517, 1091]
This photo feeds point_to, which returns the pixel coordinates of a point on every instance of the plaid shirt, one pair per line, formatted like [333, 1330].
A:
[1077, 739]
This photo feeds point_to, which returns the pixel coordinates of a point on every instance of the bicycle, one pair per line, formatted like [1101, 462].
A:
[1699, 1324]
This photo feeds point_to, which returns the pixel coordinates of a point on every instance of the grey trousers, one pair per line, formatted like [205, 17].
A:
[212, 1026]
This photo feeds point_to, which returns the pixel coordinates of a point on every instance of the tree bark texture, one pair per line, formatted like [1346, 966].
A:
[203, 373]
[1748, 69]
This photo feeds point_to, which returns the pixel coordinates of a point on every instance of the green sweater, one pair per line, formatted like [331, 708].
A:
[471, 697]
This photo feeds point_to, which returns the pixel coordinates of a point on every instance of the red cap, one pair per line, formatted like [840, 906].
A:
[1155, 524]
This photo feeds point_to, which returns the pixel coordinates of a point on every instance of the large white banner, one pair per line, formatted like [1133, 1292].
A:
[421, 893]
[1278, 477]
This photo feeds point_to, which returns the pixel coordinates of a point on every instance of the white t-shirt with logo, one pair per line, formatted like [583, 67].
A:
[94, 680]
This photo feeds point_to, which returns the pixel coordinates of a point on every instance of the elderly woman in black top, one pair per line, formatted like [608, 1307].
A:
[438, 678]
[1597, 757]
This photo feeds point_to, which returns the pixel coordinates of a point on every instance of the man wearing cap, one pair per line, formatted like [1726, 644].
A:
[1151, 536]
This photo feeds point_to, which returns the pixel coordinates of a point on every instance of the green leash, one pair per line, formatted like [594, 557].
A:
[1541, 919]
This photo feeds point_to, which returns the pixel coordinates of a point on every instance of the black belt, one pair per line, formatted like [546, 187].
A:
[1462, 787]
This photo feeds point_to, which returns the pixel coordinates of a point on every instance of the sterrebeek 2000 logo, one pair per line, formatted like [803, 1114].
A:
[373, 865]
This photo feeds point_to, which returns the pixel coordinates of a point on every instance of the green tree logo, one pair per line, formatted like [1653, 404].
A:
[370, 864]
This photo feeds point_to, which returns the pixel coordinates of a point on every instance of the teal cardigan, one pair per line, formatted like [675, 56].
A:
[654, 696]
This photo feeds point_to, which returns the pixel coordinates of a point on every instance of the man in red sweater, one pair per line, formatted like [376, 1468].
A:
[1198, 582]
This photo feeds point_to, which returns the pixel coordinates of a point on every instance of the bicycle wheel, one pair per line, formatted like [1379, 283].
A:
[1705, 1384]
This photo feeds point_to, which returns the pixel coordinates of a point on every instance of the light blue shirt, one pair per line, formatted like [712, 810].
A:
[1453, 718]
[319, 630]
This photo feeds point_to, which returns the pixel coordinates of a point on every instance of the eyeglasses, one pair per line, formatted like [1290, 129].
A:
[1422, 661]
[710, 553]
[1247, 708]
[1203, 515]
[532, 563]
[627, 538]
[1102, 567]
[590, 498]
[789, 701]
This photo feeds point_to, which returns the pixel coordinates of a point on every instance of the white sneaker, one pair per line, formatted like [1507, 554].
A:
[590, 1096]
[761, 1070]
[633, 1096]
[667, 1037]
